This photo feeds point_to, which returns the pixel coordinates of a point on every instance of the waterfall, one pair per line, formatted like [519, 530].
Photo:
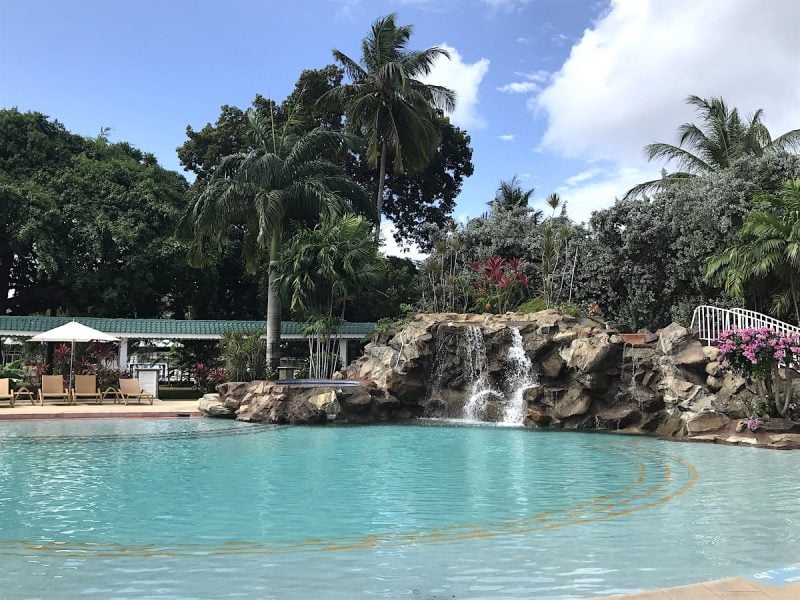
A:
[519, 376]
[477, 369]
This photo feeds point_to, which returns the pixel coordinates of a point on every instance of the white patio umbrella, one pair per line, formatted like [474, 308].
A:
[73, 332]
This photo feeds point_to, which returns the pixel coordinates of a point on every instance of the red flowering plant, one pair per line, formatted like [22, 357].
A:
[499, 283]
[762, 356]
[61, 356]
[217, 376]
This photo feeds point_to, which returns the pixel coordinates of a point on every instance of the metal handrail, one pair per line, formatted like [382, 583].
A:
[713, 320]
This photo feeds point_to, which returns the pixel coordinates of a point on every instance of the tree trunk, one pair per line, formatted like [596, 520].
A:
[379, 201]
[273, 308]
[6, 260]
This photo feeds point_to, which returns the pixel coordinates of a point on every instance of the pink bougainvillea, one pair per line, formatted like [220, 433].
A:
[759, 354]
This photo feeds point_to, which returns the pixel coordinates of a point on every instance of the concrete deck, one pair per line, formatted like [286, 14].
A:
[107, 410]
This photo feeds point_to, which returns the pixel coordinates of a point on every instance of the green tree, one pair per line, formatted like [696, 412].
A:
[510, 194]
[285, 178]
[85, 225]
[320, 271]
[721, 137]
[768, 246]
[413, 199]
[388, 105]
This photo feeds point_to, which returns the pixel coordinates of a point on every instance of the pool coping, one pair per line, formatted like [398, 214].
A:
[159, 409]
[782, 583]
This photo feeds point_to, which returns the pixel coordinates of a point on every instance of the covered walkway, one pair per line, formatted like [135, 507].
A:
[173, 329]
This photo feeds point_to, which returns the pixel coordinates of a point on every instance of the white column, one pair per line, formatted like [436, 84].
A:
[123, 354]
[343, 352]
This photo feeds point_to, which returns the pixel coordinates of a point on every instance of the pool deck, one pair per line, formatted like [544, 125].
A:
[108, 410]
[721, 589]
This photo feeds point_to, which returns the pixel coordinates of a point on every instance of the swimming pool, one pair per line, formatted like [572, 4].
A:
[220, 509]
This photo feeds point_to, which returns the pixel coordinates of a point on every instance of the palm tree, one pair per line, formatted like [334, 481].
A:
[768, 245]
[511, 195]
[284, 178]
[721, 138]
[388, 105]
[321, 269]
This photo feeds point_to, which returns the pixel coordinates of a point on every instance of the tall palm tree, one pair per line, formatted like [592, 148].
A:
[510, 195]
[768, 245]
[722, 137]
[387, 104]
[283, 178]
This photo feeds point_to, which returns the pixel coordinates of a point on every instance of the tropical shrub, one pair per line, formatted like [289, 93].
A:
[761, 355]
[498, 284]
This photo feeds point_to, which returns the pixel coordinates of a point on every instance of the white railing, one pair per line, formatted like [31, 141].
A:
[710, 321]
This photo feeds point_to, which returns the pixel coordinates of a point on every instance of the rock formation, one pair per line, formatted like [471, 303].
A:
[589, 378]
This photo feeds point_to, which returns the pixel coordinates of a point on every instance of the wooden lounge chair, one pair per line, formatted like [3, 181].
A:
[53, 388]
[6, 393]
[130, 389]
[86, 387]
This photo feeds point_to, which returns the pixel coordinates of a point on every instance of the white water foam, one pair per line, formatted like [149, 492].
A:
[520, 376]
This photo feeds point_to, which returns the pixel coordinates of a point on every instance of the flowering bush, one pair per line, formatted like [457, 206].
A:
[754, 424]
[759, 354]
[499, 283]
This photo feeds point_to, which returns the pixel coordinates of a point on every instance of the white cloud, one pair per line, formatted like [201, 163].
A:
[518, 87]
[597, 188]
[584, 176]
[465, 79]
[523, 40]
[539, 76]
[625, 81]
[506, 5]
[507, 137]
[390, 247]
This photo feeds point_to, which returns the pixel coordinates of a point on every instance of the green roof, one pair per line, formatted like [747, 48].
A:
[164, 328]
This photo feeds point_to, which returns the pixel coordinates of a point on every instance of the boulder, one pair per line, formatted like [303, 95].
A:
[355, 399]
[538, 417]
[673, 338]
[691, 355]
[713, 369]
[574, 402]
[552, 365]
[615, 417]
[214, 408]
[706, 421]
[594, 354]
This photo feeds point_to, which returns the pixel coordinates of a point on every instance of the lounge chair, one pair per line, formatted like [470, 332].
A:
[86, 387]
[53, 388]
[6, 393]
[130, 389]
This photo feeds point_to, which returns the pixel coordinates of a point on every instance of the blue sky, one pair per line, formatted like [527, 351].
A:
[576, 87]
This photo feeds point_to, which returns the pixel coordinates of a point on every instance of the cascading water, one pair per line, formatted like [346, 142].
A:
[477, 369]
[520, 376]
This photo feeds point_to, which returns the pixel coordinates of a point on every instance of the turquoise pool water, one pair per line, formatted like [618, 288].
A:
[218, 509]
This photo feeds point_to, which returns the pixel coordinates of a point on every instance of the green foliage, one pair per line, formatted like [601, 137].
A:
[319, 272]
[568, 308]
[12, 371]
[244, 356]
[414, 199]
[766, 248]
[643, 261]
[533, 305]
[108, 378]
[85, 225]
[393, 298]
